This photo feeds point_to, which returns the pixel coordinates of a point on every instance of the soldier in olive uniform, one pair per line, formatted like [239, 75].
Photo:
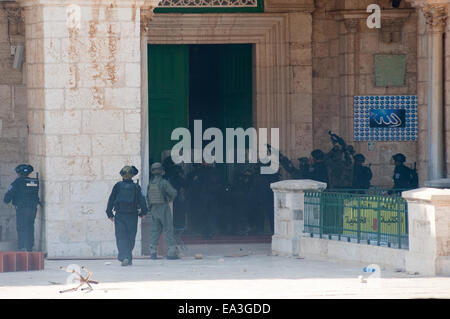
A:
[127, 201]
[159, 194]
[24, 194]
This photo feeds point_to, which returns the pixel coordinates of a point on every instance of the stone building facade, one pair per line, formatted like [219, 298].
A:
[77, 109]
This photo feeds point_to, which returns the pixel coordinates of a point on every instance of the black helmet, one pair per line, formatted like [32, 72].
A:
[24, 169]
[129, 171]
[399, 158]
[359, 158]
[318, 155]
[303, 161]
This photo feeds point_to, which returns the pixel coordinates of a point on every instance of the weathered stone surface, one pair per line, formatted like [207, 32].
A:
[428, 230]
[297, 185]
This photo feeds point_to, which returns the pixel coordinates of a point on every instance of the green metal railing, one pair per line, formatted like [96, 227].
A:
[374, 219]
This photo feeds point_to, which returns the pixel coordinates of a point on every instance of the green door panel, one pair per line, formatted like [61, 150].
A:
[168, 70]
[235, 85]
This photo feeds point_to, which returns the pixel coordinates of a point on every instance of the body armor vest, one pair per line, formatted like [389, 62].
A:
[155, 195]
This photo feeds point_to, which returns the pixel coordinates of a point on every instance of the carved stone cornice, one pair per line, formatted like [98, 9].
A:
[147, 13]
[352, 25]
[14, 15]
[436, 17]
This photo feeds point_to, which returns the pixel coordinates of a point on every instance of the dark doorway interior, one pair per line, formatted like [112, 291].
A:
[222, 199]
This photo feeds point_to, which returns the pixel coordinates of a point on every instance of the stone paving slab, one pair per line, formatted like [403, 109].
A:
[257, 276]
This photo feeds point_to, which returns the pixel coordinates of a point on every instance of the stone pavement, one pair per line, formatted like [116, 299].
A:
[256, 275]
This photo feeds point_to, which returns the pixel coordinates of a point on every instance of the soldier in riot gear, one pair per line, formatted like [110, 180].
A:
[263, 199]
[24, 195]
[160, 192]
[361, 174]
[303, 167]
[318, 169]
[404, 177]
[175, 175]
[339, 163]
[128, 203]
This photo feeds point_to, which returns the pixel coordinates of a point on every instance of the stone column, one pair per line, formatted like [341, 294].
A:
[429, 231]
[288, 214]
[435, 16]
[348, 72]
[83, 65]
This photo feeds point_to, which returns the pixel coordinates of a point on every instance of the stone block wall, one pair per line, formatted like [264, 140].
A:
[289, 214]
[83, 84]
[343, 66]
[301, 87]
[326, 81]
[429, 235]
[13, 122]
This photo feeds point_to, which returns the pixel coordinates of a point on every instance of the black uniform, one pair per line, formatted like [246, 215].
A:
[175, 176]
[24, 194]
[362, 176]
[403, 176]
[319, 172]
[264, 199]
[126, 199]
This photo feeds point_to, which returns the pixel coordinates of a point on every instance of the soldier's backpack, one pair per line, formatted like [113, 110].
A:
[126, 198]
[155, 194]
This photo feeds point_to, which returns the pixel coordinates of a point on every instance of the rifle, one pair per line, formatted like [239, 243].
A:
[335, 139]
[37, 179]
[414, 177]
[347, 149]
[284, 160]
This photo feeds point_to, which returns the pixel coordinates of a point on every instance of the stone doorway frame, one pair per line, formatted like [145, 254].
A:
[269, 35]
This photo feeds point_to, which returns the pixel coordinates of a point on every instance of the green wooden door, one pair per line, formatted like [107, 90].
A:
[168, 71]
[235, 95]
[235, 85]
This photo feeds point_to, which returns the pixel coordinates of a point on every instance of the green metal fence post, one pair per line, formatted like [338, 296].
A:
[379, 222]
[359, 220]
[321, 209]
[399, 225]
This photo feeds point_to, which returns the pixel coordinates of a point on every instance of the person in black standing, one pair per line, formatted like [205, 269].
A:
[128, 203]
[264, 198]
[361, 174]
[24, 195]
[318, 169]
[403, 175]
[175, 176]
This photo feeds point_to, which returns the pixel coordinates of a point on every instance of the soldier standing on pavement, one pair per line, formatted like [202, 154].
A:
[24, 194]
[159, 194]
[127, 201]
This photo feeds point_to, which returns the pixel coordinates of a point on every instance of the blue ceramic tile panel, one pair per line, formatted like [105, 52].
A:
[385, 118]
